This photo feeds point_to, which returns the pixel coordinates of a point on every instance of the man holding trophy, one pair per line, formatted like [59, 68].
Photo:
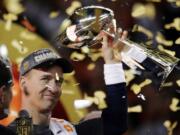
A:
[42, 74]
[41, 80]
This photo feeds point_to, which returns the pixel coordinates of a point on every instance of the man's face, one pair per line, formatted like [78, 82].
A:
[43, 87]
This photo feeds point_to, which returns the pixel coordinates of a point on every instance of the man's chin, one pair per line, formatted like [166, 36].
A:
[48, 105]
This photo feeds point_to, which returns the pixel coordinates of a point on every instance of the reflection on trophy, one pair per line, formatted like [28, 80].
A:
[86, 24]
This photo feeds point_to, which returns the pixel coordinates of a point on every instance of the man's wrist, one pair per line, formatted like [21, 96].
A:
[114, 73]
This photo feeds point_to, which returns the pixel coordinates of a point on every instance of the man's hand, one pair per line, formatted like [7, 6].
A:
[111, 48]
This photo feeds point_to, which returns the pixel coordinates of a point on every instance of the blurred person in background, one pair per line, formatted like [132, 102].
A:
[6, 83]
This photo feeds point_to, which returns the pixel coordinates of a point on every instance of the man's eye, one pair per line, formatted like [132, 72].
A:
[59, 81]
[45, 79]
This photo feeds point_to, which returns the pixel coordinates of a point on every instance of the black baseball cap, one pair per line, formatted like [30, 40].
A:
[43, 57]
[5, 72]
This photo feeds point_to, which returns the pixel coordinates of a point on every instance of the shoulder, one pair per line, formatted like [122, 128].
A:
[6, 130]
[62, 124]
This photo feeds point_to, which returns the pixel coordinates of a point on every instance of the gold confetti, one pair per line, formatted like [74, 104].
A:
[80, 113]
[19, 60]
[64, 25]
[91, 66]
[161, 48]
[18, 45]
[142, 29]
[68, 92]
[14, 6]
[98, 99]
[53, 14]
[178, 82]
[177, 41]
[170, 127]
[129, 75]
[9, 18]
[74, 5]
[175, 24]
[77, 56]
[95, 56]
[140, 10]
[177, 2]
[168, 84]
[27, 35]
[161, 40]
[135, 109]
[85, 49]
[100, 95]
[137, 88]
[150, 42]
[174, 105]
[154, 1]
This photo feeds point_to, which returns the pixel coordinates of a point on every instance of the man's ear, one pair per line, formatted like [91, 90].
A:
[22, 82]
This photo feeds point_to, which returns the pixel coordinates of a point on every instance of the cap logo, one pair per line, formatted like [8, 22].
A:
[26, 65]
[44, 56]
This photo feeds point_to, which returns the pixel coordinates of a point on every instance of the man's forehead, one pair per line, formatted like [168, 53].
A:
[47, 71]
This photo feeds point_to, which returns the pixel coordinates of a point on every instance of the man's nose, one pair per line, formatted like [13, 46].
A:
[53, 86]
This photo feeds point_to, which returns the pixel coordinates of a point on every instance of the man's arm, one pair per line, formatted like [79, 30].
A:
[114, 117]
